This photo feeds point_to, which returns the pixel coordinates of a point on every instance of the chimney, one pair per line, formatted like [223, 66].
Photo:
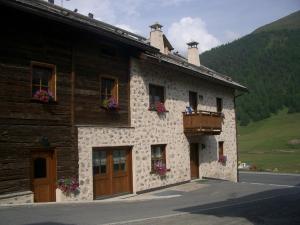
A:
[156, 37]
[91, 15]
[193, 53]
[51, 1]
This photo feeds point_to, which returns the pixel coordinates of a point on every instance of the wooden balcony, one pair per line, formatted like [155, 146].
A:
[202, 122]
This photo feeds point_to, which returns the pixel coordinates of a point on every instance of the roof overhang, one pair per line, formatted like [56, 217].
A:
[59, 14]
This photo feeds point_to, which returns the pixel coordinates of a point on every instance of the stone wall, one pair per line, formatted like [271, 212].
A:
[148, 128]
[17, 198]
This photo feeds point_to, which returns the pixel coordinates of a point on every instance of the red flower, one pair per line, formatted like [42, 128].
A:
[160, 107]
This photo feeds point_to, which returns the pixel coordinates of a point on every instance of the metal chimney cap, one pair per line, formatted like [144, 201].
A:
[192, 44]
[156, 26]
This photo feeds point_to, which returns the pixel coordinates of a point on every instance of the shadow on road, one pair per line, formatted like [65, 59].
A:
[274, 207]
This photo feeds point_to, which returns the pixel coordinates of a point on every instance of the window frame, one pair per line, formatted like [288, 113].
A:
[115, 90]
[164, 94]
[219, 110]
[53, 78]
[164, 150]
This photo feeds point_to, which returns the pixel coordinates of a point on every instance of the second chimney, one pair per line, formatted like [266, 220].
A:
[193, 53]
[156, 37]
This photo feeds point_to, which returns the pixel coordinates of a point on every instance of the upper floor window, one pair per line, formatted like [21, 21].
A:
[158, 155]
[43, 81]
[219, 104]
[156, 95]
[109, 91]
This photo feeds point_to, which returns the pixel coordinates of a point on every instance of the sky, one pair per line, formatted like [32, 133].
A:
[209, 22]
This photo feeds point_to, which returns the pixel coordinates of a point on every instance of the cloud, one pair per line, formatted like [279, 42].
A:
[188, 29]
[231, 35]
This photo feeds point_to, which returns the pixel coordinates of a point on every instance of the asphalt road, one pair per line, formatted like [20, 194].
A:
[258, 199]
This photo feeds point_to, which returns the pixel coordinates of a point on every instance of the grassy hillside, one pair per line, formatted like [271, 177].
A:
[267, 62]
[272, 144]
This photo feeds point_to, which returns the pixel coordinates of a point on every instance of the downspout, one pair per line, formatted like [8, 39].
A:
[236, 134]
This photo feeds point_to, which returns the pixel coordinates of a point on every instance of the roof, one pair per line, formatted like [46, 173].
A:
[167, 43]
[57, 13]
[198, 71]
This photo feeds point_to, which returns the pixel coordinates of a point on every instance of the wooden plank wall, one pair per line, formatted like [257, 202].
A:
[23, 123]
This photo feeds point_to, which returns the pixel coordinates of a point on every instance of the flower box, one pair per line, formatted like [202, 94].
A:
[222, 159]
[43, 96]
[110, 104]
[160, 169]
[159, 107]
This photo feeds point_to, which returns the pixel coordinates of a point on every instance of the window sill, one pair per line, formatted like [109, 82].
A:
[153, 172]
[44, 103]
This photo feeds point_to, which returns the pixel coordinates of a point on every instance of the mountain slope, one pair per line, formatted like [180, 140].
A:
[289, 22]
[267, 61]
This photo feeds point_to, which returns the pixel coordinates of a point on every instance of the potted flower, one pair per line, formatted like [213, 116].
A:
[43, 96]
[110, 104]
[222, 159]
[160, 168]
[159, 107]
[68, 185]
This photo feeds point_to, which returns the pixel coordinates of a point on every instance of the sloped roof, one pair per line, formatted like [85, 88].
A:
[57, 13]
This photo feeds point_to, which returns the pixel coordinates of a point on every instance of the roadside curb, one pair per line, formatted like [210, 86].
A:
[271, 173]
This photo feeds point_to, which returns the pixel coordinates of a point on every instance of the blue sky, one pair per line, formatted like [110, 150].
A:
[210, 22]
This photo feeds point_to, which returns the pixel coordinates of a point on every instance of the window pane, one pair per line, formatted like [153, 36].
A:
[107, 86]
[123, 160]
[116, 160]
[41, 76]
[40, 168]
[156, 94]
[99, 162]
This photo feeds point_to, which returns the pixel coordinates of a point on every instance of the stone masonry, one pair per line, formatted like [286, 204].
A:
[148, 128]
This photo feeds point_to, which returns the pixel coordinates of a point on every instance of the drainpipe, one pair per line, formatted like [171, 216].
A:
[236, 134]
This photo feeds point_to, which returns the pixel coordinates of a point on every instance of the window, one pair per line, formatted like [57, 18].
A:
[119, 160]
[109, 88]
[43, 78]
[99, 162]
[156, 94]
[158, 154]
[193, 100]
[221, 150]
[40, 168]
[219, 105]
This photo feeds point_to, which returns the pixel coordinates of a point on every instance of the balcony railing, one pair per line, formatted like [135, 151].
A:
[202, 122]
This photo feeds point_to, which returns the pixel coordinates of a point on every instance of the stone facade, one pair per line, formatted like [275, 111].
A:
[17, 198]
[149, 128]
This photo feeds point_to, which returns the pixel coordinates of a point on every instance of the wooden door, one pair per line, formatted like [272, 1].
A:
[43, 176]
[121, 171]
[194, 160]
[112, 171]
[101, 172]
[193, 100]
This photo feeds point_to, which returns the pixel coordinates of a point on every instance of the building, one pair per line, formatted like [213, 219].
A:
[74, 133]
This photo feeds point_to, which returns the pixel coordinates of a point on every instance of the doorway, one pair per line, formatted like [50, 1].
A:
[193, 100]
[43, 175]
[112, 171]
[194, 160]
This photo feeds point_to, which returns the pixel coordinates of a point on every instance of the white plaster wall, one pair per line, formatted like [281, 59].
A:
[149, 128]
